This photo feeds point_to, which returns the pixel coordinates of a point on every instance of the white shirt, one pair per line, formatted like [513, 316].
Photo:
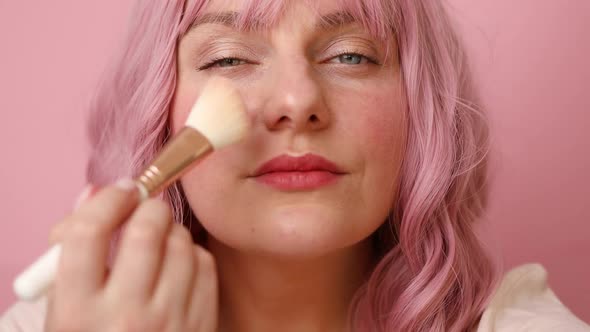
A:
[524, 302]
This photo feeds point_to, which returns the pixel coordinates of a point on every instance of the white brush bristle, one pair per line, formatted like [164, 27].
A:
[219, 113]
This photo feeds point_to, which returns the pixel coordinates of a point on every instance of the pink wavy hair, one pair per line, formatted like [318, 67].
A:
[432, 273]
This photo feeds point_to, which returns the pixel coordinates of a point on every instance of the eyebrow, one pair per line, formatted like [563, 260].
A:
[230, 19]
[224, 18]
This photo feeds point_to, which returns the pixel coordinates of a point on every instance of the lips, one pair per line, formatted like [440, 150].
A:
[298, 173]
[306, 163]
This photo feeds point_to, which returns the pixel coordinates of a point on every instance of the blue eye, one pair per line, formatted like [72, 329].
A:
[351, 59]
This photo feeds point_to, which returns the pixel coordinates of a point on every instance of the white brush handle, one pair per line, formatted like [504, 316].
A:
[38, 277]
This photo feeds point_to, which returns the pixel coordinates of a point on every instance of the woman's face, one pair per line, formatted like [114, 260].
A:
[325, 100]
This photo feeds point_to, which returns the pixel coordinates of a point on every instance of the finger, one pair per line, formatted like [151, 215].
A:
[50, 309]
[88, 191]
[203, 306]
[86, 242]
[177, 274]
[57, 231]
[142, 247]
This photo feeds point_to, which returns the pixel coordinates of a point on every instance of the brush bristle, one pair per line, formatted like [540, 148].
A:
[219, 113]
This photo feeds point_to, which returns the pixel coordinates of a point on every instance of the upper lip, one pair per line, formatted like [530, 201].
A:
[307, 163]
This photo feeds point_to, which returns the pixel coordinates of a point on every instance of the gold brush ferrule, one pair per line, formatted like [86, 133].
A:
[175, 159]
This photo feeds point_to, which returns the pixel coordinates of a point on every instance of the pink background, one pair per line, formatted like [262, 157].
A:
[531, 57]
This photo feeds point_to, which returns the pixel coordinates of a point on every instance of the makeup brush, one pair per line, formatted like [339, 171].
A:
[217, 119]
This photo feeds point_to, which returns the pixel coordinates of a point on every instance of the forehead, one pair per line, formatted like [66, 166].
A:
[376, 16]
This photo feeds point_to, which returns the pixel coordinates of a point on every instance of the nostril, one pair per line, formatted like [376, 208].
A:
[314, 118]
[283, 118]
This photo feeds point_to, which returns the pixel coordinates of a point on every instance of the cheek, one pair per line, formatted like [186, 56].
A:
[383, 118]
[377, 122]
[377, 131]
[208, 189]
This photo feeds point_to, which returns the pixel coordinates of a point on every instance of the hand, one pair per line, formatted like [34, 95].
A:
[160, 280]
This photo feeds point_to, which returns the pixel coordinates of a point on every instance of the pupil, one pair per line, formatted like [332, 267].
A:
[229, 62]
[351, 58]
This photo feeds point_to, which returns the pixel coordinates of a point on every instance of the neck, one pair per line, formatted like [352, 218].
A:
[268, 293]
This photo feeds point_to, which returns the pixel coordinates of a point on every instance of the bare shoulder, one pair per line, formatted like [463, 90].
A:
[524, 302]
[24, 317]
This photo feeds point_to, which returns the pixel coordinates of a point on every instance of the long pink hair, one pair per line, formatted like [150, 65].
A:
[432, 273]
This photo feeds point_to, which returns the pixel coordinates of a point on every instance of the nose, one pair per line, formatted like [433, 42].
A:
[296, 101]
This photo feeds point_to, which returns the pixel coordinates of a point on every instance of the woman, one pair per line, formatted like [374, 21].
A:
[377, 90]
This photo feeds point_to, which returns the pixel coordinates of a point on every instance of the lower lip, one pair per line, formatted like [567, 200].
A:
[292, 181]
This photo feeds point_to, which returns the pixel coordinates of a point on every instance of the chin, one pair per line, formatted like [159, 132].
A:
[295, 231]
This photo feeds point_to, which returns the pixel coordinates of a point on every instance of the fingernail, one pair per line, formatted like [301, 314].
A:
[126, 184]
[83, 195]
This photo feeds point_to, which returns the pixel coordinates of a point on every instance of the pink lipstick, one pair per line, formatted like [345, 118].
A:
[288, 173]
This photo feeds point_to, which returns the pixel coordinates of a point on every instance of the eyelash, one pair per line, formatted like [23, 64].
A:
[215, 61]
[370, 59]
